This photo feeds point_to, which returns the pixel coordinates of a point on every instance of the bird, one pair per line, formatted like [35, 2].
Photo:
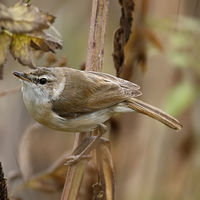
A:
[72, 100]
[69, 99]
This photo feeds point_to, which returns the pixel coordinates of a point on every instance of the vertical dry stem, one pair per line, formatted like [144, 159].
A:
[94, 63]
[3, 186]
[97, 35]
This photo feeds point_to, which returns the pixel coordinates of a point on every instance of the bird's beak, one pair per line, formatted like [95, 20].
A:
[22, 76]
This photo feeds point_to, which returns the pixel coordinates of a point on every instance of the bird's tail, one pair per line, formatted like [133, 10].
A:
[154, 112]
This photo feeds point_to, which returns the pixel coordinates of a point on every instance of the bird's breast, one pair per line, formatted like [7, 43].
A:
[38, 106]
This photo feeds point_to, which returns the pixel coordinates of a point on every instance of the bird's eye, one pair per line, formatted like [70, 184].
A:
[43, 81]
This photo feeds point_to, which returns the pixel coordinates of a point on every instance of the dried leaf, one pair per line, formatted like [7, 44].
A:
[5, 40]
[106, 171]
[22, 46]
[22, 26]
[118, 55]
[123, 33]
[53, 42]
[45, 42]
[23, 18]
[135, 51]
[126, 17]
[20, 49]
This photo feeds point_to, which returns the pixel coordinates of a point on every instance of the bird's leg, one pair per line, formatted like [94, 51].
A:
[88, 144]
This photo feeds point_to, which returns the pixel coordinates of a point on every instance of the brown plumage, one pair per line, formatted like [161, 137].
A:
[81, 100]
[92, 91]
[154, 112]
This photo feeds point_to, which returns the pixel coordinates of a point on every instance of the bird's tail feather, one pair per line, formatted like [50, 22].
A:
[154, 112]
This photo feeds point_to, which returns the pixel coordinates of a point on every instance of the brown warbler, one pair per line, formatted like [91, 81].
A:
[67, 99]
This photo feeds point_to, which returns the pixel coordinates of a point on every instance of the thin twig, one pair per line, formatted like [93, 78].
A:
[94, 63]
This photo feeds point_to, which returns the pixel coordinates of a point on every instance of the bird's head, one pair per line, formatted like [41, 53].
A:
[42, 82]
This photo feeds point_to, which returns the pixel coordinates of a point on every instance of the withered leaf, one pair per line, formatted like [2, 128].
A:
[24, 18]
[136, 54]
[22, 46]
[21, 50]
[118, 55]
[45, 42]
[122, 34]
[53, 42]
[5, 40]
[106, 171]
[126, 17]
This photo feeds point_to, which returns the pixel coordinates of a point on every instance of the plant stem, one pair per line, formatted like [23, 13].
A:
[3, 186]
[97, 35]
[94, 63]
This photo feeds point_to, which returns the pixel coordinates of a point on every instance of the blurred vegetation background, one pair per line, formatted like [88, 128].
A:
[151, 161]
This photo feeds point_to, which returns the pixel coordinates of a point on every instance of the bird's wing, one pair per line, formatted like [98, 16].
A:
[91, 91]
[123, 83]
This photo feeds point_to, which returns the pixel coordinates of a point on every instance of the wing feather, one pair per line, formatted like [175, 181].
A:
[90, 91]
